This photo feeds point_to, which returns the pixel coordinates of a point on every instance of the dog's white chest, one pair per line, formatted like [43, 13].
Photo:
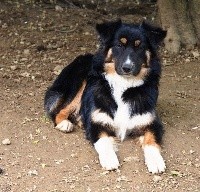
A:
[123, 121]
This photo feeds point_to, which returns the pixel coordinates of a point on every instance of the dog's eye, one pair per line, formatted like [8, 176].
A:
[123, 41]
[137, 43]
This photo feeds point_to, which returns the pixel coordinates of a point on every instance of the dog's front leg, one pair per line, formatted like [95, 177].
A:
[106, 149]
[100, 131]
[151, 147]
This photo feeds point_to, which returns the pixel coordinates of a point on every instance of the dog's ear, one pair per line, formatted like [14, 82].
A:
[107, 30]
[154, 34]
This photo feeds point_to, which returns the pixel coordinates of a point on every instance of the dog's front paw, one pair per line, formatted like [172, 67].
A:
[153, 159]
[109, 161]
[106, 147]
[65, 126]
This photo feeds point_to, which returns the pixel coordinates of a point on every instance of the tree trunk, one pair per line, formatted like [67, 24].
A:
[181, 20]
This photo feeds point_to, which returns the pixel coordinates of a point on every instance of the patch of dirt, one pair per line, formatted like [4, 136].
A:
[36, 42]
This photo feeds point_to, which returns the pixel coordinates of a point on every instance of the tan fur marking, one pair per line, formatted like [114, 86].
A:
[109, 56]
[149, 139]
[148, 54]
[137, 43]
[143, 73]
[109, 68]
[123, 40]
[103, 134]
[144, 70]
[71, 107]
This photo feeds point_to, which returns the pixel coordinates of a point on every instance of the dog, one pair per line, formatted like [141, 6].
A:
[114, 93]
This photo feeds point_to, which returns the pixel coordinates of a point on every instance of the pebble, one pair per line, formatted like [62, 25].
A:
[131, 158]
[33, 173]
[25, 74]
[4, 26]
[187, 60]
[13, 67]
[59, 8]
[157, 178]
[6, 142]
[57, 70]
[195, 53]
[26, 52]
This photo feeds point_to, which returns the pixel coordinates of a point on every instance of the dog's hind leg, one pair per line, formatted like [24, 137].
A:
[62, 118]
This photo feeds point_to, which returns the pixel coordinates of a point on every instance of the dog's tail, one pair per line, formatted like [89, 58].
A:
[67, 85]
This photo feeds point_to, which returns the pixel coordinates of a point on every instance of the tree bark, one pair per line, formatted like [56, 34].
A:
[181, 20]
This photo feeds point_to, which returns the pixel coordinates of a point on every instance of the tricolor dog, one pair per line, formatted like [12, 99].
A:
[114, 93]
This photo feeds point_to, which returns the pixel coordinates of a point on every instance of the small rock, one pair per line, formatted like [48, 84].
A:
[25, 74]
[19, 176]
[195, 54]
[6, 142]
[87, 33]
[26, 52]
[131, 158]
[104, 173]
[187, 60]
[83, 48]
[191, 151]
[23, 59]
[175, 173]
[4, 25]
[43, 165]
[59, 8]
[58, 162]
[122, 178]
[57, 69]
[13, 67]
[157, 178]
[33, 173]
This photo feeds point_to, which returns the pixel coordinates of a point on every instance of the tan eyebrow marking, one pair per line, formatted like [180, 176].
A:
[137, 43]
[123, 40]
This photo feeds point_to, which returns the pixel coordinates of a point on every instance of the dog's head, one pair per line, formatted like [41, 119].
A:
[129, 47]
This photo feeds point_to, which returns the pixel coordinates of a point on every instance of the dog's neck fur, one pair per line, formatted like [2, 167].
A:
[119, 84]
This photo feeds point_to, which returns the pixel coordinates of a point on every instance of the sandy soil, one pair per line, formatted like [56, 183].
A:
[36, 42]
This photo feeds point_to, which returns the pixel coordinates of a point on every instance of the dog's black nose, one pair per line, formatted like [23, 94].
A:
[127, 68]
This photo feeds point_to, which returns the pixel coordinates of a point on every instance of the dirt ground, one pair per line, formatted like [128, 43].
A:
[36, 42]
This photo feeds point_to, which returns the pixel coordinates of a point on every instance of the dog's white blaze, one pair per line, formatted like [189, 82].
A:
[153, 159]
[105, 147]
[128, 61]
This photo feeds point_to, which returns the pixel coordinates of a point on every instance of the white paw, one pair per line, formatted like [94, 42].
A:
[109, 160]
[153, 159]
[105, 147]
[65, 126]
